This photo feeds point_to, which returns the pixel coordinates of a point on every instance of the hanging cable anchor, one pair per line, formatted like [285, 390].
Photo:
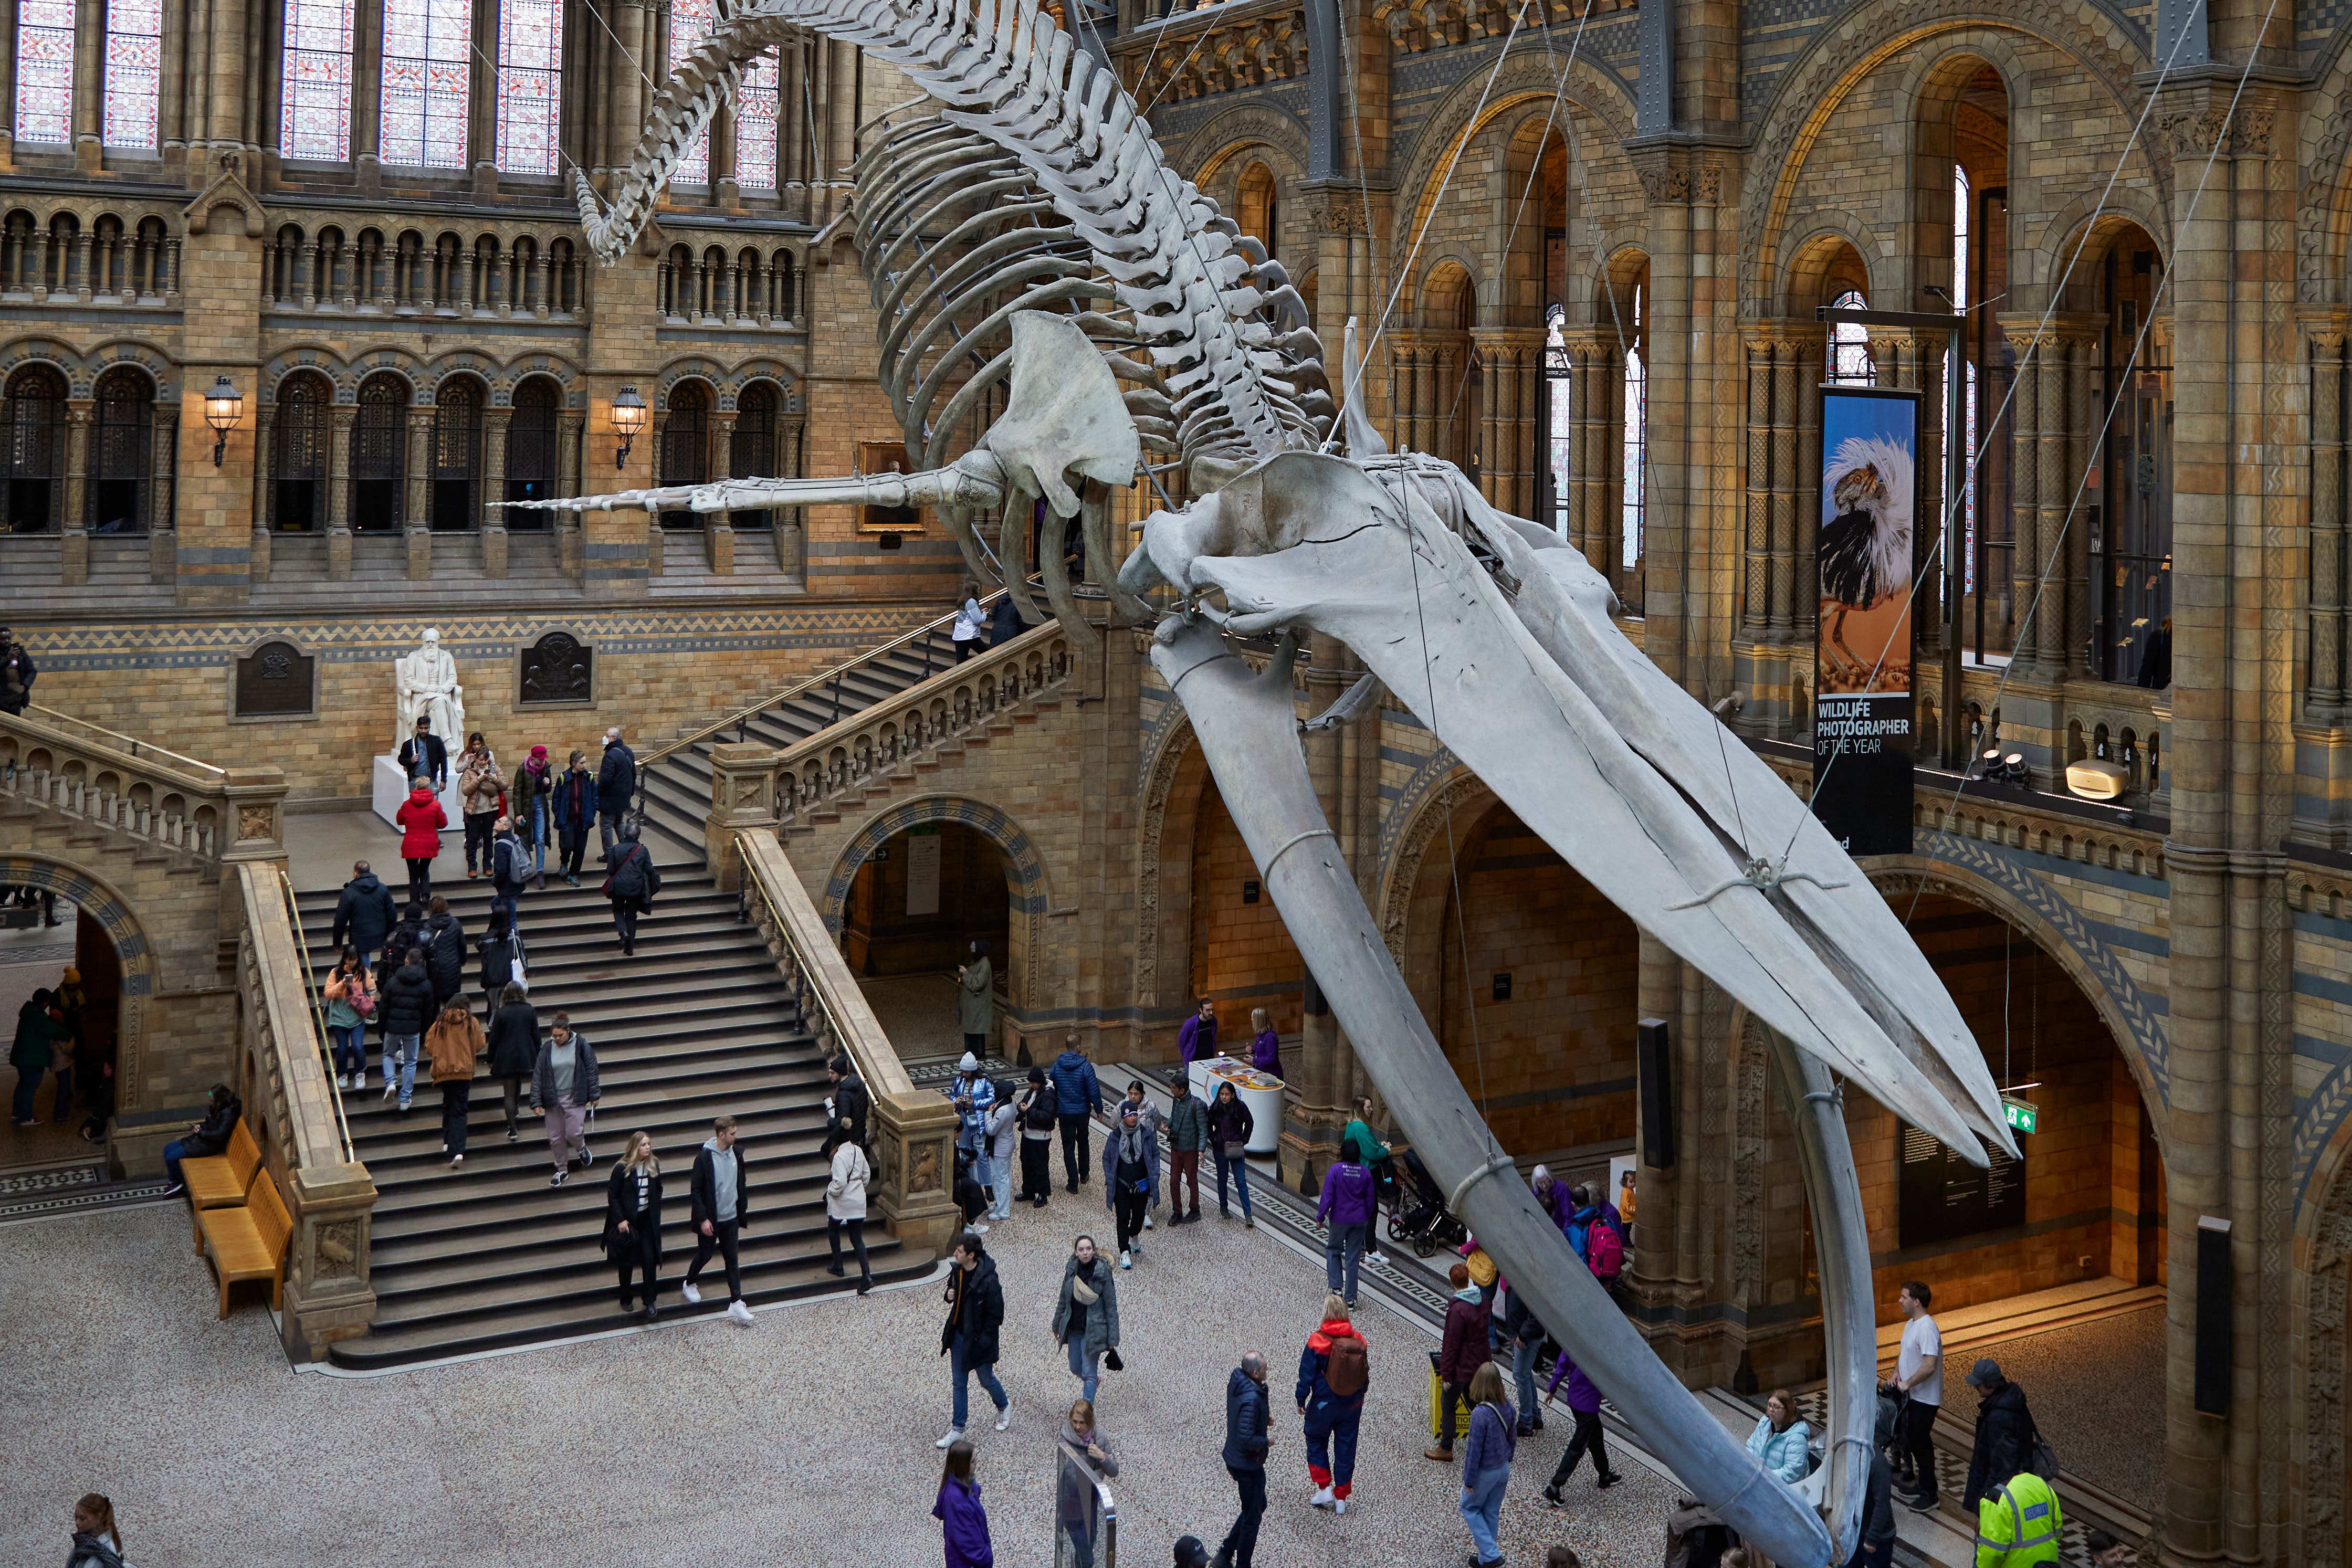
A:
[1762, 875]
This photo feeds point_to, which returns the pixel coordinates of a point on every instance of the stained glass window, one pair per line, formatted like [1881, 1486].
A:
[1850, 344]
[45, 50]
[530, 58]
[315, 118]
[689, 21]
[425, 45]
[134, 71]
[756, 103]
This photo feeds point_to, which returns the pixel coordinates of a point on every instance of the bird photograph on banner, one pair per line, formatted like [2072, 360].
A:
[1868, 495]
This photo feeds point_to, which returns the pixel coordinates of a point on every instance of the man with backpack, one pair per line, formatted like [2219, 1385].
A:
[510, 867]
[1598, 1241]
[631, 884]
[1334, 1370]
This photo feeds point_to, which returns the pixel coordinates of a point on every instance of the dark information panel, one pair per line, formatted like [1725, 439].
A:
[1942, 1198]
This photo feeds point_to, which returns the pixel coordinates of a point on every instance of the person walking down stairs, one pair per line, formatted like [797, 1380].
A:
[720, 1207]
[503, 960]
[631, 883]
[563, 1088]
[845, 1202]
[453, 1043]
[632, 1223]
[574, 799]
[513, 1044]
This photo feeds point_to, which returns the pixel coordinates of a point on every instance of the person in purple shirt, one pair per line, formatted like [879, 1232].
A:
[1266, 1046]
[1584, 1404]
[1557, 1197]
[1346, 1210]
[963, 1523]
[1198, 1037]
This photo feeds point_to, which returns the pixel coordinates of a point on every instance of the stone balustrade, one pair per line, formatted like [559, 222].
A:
[326, 263]
[710, 283]
[128, 787]
[1195, 47]
[91, 252]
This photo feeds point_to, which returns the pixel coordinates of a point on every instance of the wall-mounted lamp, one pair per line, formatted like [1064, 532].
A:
[224, 406]
[628, 422]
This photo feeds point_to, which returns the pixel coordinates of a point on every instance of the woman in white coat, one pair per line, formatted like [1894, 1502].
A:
[1001, 1135]
[845, 1208]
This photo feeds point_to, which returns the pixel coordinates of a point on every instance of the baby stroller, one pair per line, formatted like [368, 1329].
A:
[1421, 1220]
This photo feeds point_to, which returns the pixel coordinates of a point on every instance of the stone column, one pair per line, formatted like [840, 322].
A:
[416, 520]
[261, 435]
[742, 797]
[567, 478]
[163, 498]
[341, 419]
[718, 528]
[1784, 366]
[1596, 447]
[494, 490]
[367, 103]
[88, 60]
[1510, 426]
[74, 526]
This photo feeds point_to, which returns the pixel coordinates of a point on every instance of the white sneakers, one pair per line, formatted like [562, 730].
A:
[979, 1228]
[692, 1293]
[1147, 1225]
[1126, 1260]
[1338, 1505]
[1322, 1498]
[740, 1312]
[456, 1160]
[1372, 1257]
[954, 1434]
[1004, 1417]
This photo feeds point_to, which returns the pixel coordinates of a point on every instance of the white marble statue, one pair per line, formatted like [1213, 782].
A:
[426, 684]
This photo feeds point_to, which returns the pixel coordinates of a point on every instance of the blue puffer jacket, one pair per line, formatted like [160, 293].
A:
[1076, 1088]
[1783, 1453]
[1247, 1433]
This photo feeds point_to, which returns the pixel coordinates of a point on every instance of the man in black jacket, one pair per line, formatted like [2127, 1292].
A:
[423, 756]
[1248, 1434]
[17, 673]
[365, 913]
[968, 1339]
[407, 1007]
[722, 1207]
[2004, 1433]
[845, 1109]
[445, 953]
[616, 783]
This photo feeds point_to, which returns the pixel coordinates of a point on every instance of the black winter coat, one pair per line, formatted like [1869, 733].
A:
[514, 1041]
[634, 879]
[616, 779]
[1231, 1123]
[2004, 1436]
[983, 1314]
[1248, 1432]
[445, 953]
[499, 957]
[365, 913]
[405, 1003]
[620, 1198]
[701, 1196]
[219, 1125]
[405, 935]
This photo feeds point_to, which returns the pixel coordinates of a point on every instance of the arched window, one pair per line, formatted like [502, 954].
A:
[531, 98]
[45, 68]
[1850, 344]
[425, 48]
[685, 447]
[1255, 206]
[1559, 427]
[36, 449]
[533, 442]
[135, 72]
[689, 24]
[756, 107]
[314, 117]
[456, 454]
[121, 453]
[380, 455]
[754, 448]
[1637, 435]
[298, 454]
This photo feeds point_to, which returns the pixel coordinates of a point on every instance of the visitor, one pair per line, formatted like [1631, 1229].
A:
[509, 868]
[350, 1002]
[502, 957]
[1266, 1046]
[1875, 1549]
[976, 1001]
[2017, 1523]
[408, 1010]
[1381, 1161]
[1559, 1556]
[968, 622]
[1038, 1113]
[16, 674]
[719, 1206]
[616, 783]
[1487, 1462]
[1781, 1440]
[963, 1523]
[1918, 1381]
[481, 794]
[971, 1198]
[420, 820]
[1188, 1135]
[1003, 622]
[1334, 1370]
[845, 1108]
[97, 1543]
[1598, 1236]
[445, 953]
[2004, 1438]
[1086, 1316]
[1077, 1096]
[1087, 1442]
[1000, 1128]
[1146, 1118]
[1191, 1553]
[425, 759]
[1230, 1126]
[1462, 1351]
[1197, 1041]
[2104, 1550]
[564, 1088]
[973, 1092]
[453, 1042]
[847, 1173]
[365, 913]
[406, 936]
[632, 1223]
[1523, 1336]
[630, 886]
[1552, 1196]
[512, 1040]
[1584, 1405]
[527, 803]
[1345, 1210]
[968, 1339]
[1249, 1433]
[202, 1139]
[1625, 1202]
[574, 813]
[1131, 1178]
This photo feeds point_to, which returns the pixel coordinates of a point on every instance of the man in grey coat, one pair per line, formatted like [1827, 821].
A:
[976, 1004]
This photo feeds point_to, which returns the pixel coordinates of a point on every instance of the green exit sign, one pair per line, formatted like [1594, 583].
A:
[2023, 1115]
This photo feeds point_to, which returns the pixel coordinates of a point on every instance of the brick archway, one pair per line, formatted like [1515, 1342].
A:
[133, 951]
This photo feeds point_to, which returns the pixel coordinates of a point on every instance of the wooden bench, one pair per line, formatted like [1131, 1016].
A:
[249, 1243]
[218, 1181]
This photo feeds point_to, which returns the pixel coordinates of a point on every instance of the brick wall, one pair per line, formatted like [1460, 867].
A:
[1242, 957]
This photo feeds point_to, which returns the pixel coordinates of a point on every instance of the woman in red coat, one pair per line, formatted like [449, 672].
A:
[420, 820]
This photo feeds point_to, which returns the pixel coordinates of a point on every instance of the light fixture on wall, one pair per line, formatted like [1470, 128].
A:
[628, 422]
[224, 406]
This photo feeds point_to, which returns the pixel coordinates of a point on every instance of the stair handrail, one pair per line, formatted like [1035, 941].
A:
[318, 1012]
[131, 743]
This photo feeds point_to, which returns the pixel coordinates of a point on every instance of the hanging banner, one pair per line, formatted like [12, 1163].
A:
[923, 846]
[1862, 647]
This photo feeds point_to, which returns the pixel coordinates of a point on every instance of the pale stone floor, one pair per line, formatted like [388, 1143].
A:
[2097, 1392]
[806, 1440]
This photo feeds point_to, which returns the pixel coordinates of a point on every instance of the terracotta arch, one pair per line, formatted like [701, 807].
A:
[1163, 927]
[133, 952]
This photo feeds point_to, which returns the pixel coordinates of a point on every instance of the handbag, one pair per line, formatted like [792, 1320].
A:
[1111, 1362]
[2041, 1457]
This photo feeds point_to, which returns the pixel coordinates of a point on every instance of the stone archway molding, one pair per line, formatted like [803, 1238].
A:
[105, 904]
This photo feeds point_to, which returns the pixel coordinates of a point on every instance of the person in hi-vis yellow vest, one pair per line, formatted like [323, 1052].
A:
[2017, 1524]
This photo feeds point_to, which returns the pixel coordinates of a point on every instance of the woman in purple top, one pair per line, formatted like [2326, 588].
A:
[1266, 1046]
[962, 1521]
[1584, 1404]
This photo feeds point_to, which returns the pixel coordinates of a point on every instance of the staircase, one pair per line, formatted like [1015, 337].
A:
[697, 1024]
[677, 788]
